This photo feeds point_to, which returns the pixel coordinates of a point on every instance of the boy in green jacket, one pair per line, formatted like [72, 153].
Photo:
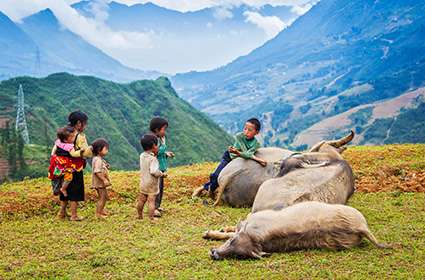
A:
[158, 126]
[245, 147]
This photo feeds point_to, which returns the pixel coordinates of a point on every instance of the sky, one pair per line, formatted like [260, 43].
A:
[125, 45]
[17, 9]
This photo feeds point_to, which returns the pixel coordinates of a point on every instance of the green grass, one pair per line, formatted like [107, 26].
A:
[123, 247]
[34, 244]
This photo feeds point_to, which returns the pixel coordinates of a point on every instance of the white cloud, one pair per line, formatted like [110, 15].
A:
[25, 7]
[100, 10]
[301, 9]
[222, 12]
[28, 7]
[193, 5]
[271, 25]
[94, 30]
[145, 50]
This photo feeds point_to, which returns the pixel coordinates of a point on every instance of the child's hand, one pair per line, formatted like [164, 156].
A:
[165, 175]
[233, 150]
[169, 154]
[106, 182]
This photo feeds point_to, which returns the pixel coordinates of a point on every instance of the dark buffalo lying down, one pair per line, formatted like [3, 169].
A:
[320, 174]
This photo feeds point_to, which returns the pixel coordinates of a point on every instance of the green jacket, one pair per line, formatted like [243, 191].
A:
[247, 147]
[162, 156]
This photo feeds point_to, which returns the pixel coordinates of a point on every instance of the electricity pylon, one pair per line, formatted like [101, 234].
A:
[21, 123]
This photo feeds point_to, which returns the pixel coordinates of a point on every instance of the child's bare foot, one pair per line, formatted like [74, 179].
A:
[156, 213]
[105, 213]
[140, 217]
[160, 209]
[76, 219]
[64, 192]
[153, 220]
[100, 216]
[197, 192]
[62, 216]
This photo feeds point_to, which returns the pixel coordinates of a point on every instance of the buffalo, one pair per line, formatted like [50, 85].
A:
[305, 225]
[323, 166]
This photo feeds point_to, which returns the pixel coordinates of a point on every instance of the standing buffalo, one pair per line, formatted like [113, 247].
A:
[304, 225]
[324, 169]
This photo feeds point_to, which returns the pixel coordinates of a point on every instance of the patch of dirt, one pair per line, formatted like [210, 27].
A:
[392, 180]
[182, 186]
[393, 168]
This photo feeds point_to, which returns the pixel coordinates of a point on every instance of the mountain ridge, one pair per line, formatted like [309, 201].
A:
[44, 47]
[339, 55]
[214, 35]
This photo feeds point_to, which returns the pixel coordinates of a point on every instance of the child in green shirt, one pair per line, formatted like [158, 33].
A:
[158, 126]
[245, 147]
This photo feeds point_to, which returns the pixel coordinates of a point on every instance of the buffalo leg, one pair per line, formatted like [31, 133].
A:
[229, 229]
[218, 235]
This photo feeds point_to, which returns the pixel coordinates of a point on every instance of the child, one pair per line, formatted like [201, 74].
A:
[149, 175]
[245, 147]
[64, 166]
[158, 126]
[77, 158]
[100, 175]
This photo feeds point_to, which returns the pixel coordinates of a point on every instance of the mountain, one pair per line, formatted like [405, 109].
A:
[338, 56]
[40, 45]
[118, 112]
[182, 41]
[17, 49]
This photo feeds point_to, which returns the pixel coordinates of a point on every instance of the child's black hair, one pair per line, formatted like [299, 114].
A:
[157, 123]
[77, 116]
[98, 145]
[255, 122]
[63, 133]
[148, 141]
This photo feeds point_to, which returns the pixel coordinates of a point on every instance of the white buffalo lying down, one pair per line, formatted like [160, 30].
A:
[301, 226]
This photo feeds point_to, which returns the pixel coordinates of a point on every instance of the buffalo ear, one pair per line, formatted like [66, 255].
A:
[241, 226]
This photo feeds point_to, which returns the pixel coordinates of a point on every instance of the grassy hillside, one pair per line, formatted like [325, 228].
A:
[118, 112]
[36, 245]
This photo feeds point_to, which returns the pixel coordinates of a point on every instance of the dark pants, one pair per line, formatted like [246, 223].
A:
[158, 198]
[75, 189]
[213, 183]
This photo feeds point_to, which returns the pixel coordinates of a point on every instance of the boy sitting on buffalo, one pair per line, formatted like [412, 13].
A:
[245, 147]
